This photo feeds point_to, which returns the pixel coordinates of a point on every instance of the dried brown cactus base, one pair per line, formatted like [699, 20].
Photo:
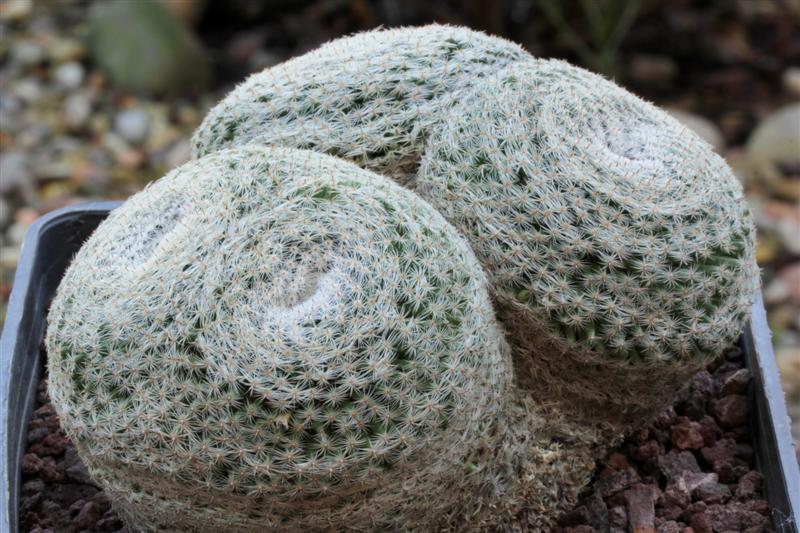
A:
[692, 467]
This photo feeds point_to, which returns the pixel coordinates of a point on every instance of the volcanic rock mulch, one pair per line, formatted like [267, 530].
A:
[691, 471]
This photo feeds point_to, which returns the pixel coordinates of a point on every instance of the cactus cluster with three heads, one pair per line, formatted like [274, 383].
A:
[273, 337]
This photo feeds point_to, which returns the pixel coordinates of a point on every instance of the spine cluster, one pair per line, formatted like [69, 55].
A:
[270, 337]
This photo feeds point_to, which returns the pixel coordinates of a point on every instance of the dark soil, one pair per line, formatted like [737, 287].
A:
[691, 471]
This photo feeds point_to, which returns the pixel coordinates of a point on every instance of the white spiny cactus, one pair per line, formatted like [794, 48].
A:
[276, 339]
[618, 245]
[370, 98]
[273, 338]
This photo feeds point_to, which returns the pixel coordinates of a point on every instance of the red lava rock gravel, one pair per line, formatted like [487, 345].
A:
[690, 471]
[58, 496]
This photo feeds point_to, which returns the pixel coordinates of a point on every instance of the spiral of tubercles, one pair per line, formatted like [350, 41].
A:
[273, 327]
[609, 231]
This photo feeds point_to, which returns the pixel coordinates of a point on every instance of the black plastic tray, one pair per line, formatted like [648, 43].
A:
[52, 241]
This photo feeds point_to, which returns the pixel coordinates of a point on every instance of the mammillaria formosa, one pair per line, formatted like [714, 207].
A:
[370, 98]
[600, 221]
[276, 339]
[618, 245]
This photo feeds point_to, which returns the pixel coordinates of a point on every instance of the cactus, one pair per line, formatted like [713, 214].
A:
[370, 98]
[275, 339]
[618, 245]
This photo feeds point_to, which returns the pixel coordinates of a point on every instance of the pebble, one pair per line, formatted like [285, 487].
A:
[641, 509]
[734, 517]
[790, 275]
[775, 141]
[77, 110]
[749, 485]
[27, 52]
[52, 445]
[701, 523]
[691, 481]
[670, 526]
[86, 518]
[722, 458]
[16, 10]
[687, 435]
[179, 153]
[33, 137]
[712, 491]
[74, 467]
[791, 80]
[649, 450]
[782, 218]
[132, 125]
[613, 481]
[10, 107]
[618, 517]
[736, 383]
[710, 430]
[700, 391]
[777, 292]
[675, 498]
[9, 256]
[597, 511]
[69, 75]
[63, 49]
[28, 90]
[109, 523]
[731, 411]
[15, 169]
[676, 463]
[123, 153]
[16, 233]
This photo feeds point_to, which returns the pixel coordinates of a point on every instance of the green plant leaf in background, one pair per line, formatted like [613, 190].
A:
[141, 46]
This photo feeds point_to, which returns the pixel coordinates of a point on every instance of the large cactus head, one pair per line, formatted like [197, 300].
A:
[618, 244]
[273, 338]
[370, 98]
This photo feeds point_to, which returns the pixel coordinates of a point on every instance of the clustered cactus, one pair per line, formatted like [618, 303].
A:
[287, 330]
[272, 337]
[618, 245]
[370, 98]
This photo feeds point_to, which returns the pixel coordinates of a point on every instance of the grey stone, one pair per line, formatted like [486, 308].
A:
[14, 170]
[77, 110]
[641, 508]
[69, 75]
[27, 52]
[132, 125]
[675, 464]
